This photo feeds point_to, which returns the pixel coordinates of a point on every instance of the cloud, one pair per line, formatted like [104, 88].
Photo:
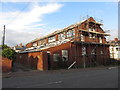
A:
[27, 25]
[60, 0]
[27, 18]
[21, 37]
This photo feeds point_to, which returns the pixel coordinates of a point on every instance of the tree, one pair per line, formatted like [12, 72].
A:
[7, 52]
[4, 46]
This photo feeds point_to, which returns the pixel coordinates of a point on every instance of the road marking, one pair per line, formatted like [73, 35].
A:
[57, 82]
[112, 67]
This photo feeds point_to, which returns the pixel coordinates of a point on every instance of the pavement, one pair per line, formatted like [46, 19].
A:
[96, 77]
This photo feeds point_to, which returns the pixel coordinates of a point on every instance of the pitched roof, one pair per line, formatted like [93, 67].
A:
[66, 28]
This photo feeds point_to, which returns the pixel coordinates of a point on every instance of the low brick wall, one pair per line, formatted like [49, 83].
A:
[6, 65]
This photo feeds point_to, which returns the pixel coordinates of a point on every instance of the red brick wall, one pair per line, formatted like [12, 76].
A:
[6, 65]
[75, 54]
[37, 60]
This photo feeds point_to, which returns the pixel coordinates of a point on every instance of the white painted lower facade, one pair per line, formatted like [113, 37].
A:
[115, 52]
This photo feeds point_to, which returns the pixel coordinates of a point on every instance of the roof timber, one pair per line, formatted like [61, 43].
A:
[105, 34]
[87, 43]
[67, 28]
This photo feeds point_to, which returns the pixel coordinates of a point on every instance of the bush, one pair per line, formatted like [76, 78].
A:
[4, 46]
[8, 53]
[0, 53]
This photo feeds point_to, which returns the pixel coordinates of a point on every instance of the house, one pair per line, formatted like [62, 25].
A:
[82, 44]
[115, 49]
[19, 48]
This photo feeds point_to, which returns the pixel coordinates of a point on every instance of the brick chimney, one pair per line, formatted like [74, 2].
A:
[21, 45]
[16, 45]
[116, 39]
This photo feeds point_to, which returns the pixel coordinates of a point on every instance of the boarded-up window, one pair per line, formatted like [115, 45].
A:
[93, 52]
[56, 57]
[83, 50]
[64, 55]
[101, 52]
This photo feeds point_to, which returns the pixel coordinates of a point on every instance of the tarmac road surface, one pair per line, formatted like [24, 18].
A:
[74, 78]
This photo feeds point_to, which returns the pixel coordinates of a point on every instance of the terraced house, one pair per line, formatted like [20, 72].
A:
[82, 45]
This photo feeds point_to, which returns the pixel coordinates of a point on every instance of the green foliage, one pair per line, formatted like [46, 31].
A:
[4, 46]
[8, 53]
[0, 53]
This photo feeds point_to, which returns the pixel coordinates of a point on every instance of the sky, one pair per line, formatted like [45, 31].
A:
[26, 21]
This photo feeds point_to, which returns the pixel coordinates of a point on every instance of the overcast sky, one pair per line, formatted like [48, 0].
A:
[26, 21]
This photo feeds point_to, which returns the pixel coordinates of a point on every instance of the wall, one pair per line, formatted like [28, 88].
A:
[115, 54]
[75, 54]
[39, 60]
[36, 60]
[6, 65]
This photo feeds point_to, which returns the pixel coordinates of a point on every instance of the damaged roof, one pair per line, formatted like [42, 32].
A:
[66, 28]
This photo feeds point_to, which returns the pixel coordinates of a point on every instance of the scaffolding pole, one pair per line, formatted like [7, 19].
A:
[71, 64]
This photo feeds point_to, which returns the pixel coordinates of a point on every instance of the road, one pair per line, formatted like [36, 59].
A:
[74, 78]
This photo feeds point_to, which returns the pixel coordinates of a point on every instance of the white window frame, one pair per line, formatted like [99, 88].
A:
[64, 55]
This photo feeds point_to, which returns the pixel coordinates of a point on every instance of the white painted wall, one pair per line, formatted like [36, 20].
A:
[114, 53]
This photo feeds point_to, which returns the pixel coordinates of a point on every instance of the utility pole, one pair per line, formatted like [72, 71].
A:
[3, 37]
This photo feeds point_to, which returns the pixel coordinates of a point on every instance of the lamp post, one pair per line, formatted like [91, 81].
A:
[3, 42]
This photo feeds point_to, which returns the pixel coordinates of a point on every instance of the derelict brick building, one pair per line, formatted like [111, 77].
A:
[82, 44]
